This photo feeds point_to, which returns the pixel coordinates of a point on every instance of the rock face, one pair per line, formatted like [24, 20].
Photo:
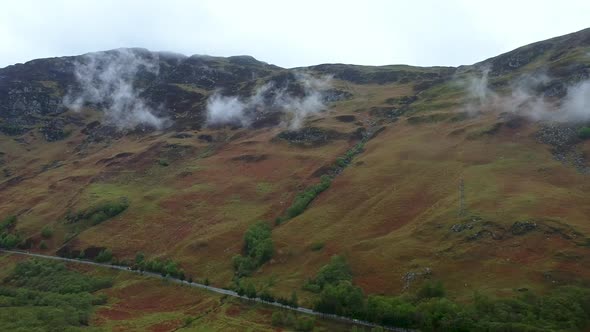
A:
[557, 58]
[177, 87]
[563, 140]
[523, 227]
[310, 136]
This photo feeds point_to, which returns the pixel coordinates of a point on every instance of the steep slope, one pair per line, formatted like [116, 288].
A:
[190, 189]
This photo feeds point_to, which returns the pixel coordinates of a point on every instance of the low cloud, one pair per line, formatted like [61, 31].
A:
[223, 110]
[526, 98]
[106, 80]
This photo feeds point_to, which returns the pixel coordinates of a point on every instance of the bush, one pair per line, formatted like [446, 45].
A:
[391, 311]
[294, 301]
[332, 273]
[139, 258]
[165, 268]
[258, 249]
[342, 299]
[258, 243]
[99, 213]
[266, 296]
[431, 289]
[104, 256]
[290, 320]
[277, 318]
[250, 290]
[47, 232]
[9, 241]
[303, 200]
[317, 246]
[8, 222]
[42, 245]
[304, 324]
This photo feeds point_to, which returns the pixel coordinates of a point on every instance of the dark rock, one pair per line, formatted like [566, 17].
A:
[54, 131]
[382, 75]
[563, 140]
[457, 228]
[249, 158]
[345, 118]
[405, 100]
[182, 135]
[115, 157]
[206, 138]
[52, 165]
[334, 95]
[310, 136]
[523, 227]
[389, 113]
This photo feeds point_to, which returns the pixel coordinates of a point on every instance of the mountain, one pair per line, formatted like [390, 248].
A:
[475, 176]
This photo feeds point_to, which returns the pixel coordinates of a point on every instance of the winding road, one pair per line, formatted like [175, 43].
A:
[212, 289]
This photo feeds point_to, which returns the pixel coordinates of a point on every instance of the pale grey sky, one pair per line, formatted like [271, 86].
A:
[288, 33]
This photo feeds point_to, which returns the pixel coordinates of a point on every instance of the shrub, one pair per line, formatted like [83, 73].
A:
[104, 256]
[139, 258]
[294, 301]
[258, 249]
[390, 311]
[9, 241]
[8, 222]
[341, 299]
[47, 232]
[332, 273]
[250, 290]
[431, 289]
[317, 246]
[99, 213]
[166, 268]
[258, 243]
[303, 200]
[266, 296]
[304, 324]
[42, 245]
[277, 318]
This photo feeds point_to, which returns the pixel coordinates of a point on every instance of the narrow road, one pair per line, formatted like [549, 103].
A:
[210, 288]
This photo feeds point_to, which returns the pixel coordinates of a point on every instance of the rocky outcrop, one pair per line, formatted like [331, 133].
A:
[310, 136]
[563, 140]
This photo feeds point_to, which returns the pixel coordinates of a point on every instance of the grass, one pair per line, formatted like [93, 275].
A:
[264, 188]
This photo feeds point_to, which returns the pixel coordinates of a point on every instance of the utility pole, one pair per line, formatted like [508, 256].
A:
[461, 197]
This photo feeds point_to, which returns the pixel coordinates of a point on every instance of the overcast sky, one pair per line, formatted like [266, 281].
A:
[289, 34]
